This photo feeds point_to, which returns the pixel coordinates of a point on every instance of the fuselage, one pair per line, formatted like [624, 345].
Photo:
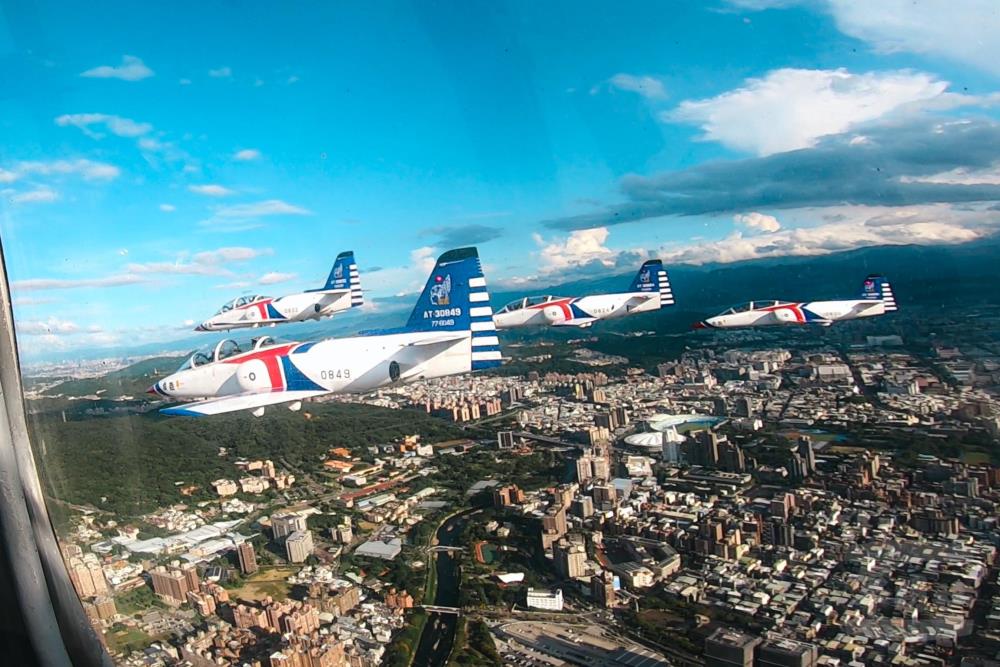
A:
[771, 313]
[554, 310]
[264, 311]
[344, 365]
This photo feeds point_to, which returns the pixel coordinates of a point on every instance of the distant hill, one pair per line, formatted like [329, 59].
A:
[132, 380]
[964, 274]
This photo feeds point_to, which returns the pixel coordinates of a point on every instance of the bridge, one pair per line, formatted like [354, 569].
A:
[442, 610]
[547, 440]
[439, 548]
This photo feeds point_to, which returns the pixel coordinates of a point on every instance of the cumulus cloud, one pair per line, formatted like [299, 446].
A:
[580, 247]
[122, 127]
[38, 195]
[885, 169]
[853, 227]
[961, 30]
[131, 69]
[260, 209]
[247, 154]
[52, 325]
[230, 254]
[792, 108]
[463, 235]
[220, 73]
[758, 221]
[211, 190]
[168, 208]
[274, 277]
[647, 86]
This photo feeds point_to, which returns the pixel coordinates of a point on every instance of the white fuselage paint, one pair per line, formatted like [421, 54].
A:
[291, 308]
[597, 306]
[827, 311]
[344, 365]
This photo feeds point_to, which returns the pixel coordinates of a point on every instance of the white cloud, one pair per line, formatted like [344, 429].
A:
[843, 228]
[131, 69]
[247, 154]
[964, 31]
[53, 325]
[791, 108]
[168, 208]
[759, 221]
[220, 73]
[211, 190]
[582, 246]
[261, 209]
[88, 169]
[237, 285]
[175, 268]
[230, 254]
[274, 277]
[185, 82]
[32, 301]
[37, 195]
[960, 176]
[122, 127]
[35, 284]
[647, 86]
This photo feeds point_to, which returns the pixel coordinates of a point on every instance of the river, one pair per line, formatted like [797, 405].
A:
[438, 636]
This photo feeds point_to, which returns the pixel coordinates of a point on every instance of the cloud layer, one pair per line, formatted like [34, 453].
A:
[131, 69]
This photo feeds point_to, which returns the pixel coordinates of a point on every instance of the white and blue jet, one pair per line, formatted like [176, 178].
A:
[876, 299]
[341, 292]
[649, 290]
[450, 331]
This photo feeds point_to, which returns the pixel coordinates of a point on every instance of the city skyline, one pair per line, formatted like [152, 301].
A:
[146, 184]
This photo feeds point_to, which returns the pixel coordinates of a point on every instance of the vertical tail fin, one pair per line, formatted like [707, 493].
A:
[344, 276]
[455, 299]
[877, 288]
[652, 277]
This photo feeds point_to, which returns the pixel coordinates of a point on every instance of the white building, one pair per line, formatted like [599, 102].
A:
[540, 599]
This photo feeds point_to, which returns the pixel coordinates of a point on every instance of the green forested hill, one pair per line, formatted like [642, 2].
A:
[135, 462]
[133, 380]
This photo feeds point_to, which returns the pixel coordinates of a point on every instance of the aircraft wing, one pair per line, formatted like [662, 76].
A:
[638, 299]
[245, 401]
[576, 322]
[443, 339]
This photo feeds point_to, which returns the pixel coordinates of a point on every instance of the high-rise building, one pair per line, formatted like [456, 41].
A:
[730, 648]
[174, 584]
[582, 507]
[804, 448]
[719, 407]
[105, 606]
[731, 457]
[602, 589]
[284, 524]
[584, 469]
[783, 652]
[604, 494]
[603, 421]
[601, 467]
[619, 417]
[299, 546]
[570, 559]
[746, 407]
[247, 557]
[505, 440]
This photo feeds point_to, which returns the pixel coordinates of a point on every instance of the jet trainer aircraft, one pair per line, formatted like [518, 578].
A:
[650, 290]
[341, 292]
[876, 299]
[450, 331]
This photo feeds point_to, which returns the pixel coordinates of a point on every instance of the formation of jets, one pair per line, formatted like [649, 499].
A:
[451, 330]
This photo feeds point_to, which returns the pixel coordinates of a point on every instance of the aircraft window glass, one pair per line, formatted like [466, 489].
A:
[537, 300]
[226, 349]
[514, 305]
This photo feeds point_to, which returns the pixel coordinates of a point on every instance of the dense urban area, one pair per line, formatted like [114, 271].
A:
[795, 497]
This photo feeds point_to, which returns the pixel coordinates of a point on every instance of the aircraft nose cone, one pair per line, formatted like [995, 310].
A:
[200, 327]
[153, 390]
[699, 325]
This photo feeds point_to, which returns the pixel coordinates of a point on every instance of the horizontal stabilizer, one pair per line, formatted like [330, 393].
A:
[440, 340]
[576, 322]
[247, 401]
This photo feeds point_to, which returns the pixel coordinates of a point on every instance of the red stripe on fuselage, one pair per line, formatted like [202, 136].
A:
[796, 309]
[562, 304]
[271, 357]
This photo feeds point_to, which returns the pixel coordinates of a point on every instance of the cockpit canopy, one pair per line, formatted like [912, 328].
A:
[528, 301]
[229, 348]
[755, 305]
[240, 301]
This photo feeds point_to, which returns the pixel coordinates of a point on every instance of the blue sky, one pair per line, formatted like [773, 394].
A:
[154, 166]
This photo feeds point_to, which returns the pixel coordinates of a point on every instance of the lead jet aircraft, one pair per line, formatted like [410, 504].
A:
[876, 299]
[450, 331]
[342, 291]
[650, 290]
